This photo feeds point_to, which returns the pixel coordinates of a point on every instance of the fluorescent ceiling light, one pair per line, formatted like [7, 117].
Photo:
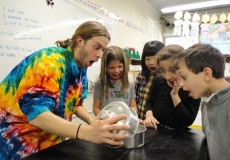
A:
[195, 6]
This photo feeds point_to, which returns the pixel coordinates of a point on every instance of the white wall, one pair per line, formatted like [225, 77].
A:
[138, 12]
[184, 42]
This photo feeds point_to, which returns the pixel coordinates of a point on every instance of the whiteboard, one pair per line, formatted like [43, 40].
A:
[29, 25]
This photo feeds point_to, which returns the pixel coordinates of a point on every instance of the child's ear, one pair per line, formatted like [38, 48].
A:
[207, 74]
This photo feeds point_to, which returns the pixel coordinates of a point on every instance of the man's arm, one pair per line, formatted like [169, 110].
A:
[99, 131]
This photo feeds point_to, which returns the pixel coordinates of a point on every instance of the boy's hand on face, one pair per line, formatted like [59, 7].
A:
[176, 87]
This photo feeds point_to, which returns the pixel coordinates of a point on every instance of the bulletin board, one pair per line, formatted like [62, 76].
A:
[217, 35]
[29, 25]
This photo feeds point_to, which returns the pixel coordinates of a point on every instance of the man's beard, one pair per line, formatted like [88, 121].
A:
[82, 57]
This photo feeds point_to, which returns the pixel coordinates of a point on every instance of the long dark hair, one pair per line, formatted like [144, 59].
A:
[150, 49]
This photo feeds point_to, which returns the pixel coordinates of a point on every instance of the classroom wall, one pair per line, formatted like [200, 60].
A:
[138, 13]
[141, 24]
[170, 17]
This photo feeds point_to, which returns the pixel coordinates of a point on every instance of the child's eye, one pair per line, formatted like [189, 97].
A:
[120, 66]
[161, 71]
[173, 71]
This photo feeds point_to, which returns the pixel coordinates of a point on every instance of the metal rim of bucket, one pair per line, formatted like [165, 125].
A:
[118, 108]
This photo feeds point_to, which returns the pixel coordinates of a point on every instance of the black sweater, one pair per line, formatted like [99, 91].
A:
[160, 102]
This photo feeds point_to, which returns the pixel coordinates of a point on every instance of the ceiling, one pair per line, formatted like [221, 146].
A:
[159, 4]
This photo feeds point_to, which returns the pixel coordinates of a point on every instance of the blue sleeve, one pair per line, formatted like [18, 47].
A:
[34, 104]
[84, 83]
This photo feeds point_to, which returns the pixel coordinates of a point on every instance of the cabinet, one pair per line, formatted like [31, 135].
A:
[134, 67]
[133, 61]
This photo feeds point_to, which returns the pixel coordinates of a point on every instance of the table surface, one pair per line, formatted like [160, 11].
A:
[164, 143]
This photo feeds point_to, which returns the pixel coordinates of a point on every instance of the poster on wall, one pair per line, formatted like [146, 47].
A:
[217, 35]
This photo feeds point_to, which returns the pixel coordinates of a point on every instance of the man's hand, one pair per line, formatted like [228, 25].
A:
[104, 131]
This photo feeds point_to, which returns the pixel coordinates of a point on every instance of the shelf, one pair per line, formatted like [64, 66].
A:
[133, 61]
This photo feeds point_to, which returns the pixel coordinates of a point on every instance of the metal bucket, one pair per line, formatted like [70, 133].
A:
[117, 108]
[138, 140]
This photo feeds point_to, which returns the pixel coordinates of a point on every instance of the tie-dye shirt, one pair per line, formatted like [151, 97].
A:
[47, 80]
